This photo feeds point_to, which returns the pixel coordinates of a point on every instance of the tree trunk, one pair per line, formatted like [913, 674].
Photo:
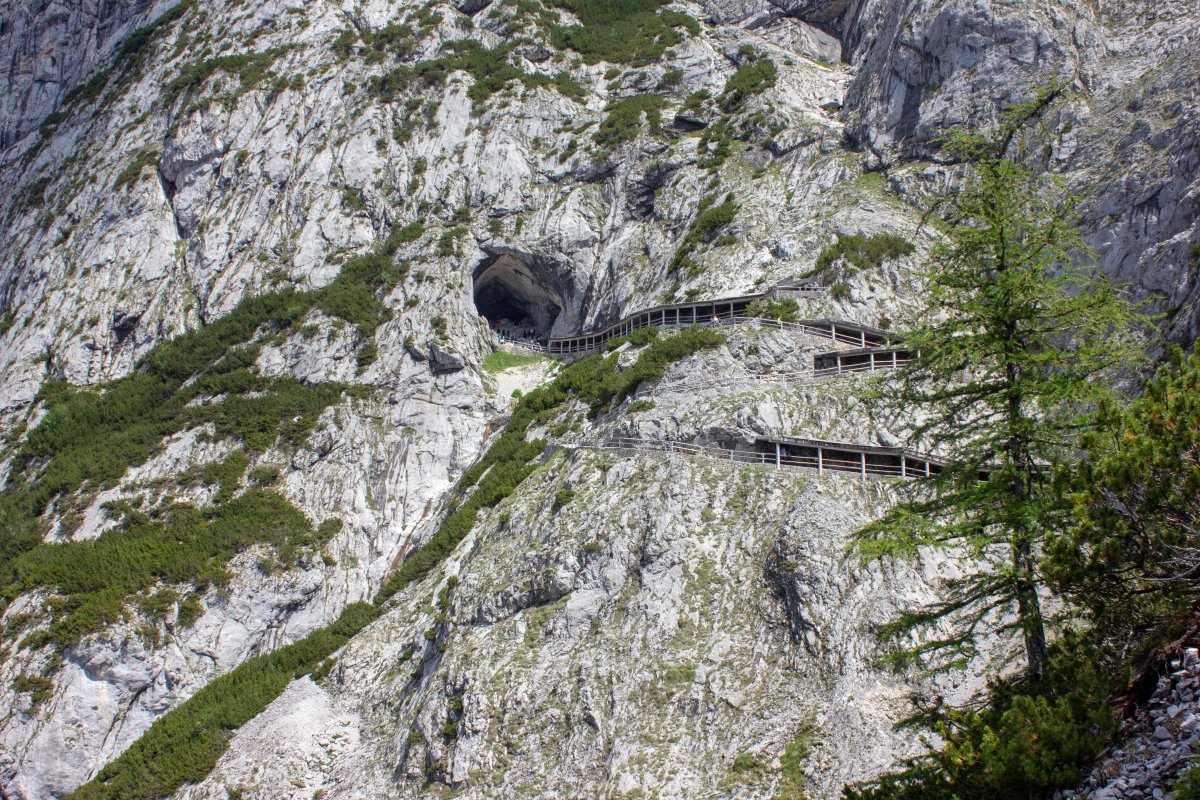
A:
[1029, 608]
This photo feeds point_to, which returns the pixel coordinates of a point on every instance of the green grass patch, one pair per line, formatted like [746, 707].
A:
[792, 780]
[500, 361]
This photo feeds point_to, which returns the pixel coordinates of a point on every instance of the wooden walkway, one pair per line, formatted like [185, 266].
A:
[875, 349]
[787, 452]
[716, 313]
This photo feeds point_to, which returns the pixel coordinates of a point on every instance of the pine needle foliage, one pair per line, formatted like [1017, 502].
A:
[634, 32]
[1132, 557]
[1027, 740]
[1016, 346]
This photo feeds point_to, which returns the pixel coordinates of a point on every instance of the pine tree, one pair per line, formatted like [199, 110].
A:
[1132, 556]
[1014, 345]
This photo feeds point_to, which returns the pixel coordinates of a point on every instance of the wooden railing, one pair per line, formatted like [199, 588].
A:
[839, 331]
[822, 456]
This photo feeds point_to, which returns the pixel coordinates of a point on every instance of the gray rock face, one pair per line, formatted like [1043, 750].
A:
[1131, 130]
[630, 639]
[51, 46]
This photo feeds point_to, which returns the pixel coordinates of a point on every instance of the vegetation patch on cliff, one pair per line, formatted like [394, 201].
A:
[490, 68]
[632, 32]
[89, 438]
[710, 220]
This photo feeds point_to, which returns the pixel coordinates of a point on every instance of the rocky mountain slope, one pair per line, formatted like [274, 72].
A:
[675, 627]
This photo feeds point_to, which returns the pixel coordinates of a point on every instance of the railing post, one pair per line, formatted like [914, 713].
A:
[903, 466]
[863, 460]
[893, 359]
[820, 461]
[927, 468]
[777, 464]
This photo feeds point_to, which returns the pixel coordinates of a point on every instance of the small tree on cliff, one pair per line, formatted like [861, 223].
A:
[1014, 343]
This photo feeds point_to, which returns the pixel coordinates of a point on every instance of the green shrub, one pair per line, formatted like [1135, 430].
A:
[1187, 787]
[678, 677]
[249, 68]
[624, 120]
[38, 687]
[787, 310]
[671, 78]
[133, 173]
[861, 252]
[703, 230]
[1027, 740]
[753, 77]
[368, 354]
[624, 31]
[562, 498]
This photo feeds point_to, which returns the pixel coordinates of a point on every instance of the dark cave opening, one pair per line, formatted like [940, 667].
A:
[516, 300]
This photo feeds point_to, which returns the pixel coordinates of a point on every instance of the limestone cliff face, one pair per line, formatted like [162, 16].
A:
[51, 47]
[1131, 133]
[673, 616]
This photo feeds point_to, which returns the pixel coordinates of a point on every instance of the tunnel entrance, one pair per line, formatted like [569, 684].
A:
[517, 296]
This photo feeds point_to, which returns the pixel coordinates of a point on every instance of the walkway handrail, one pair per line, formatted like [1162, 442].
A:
[911, 464]
[837, 330]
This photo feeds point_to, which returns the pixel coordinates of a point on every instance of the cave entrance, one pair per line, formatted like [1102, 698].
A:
[516, 297]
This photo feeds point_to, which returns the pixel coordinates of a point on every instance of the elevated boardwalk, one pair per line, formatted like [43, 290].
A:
[863, 359]
[730, 311]
[821, 455]
[787, 452]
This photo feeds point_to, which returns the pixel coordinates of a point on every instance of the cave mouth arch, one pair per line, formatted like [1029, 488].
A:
[517, 295]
